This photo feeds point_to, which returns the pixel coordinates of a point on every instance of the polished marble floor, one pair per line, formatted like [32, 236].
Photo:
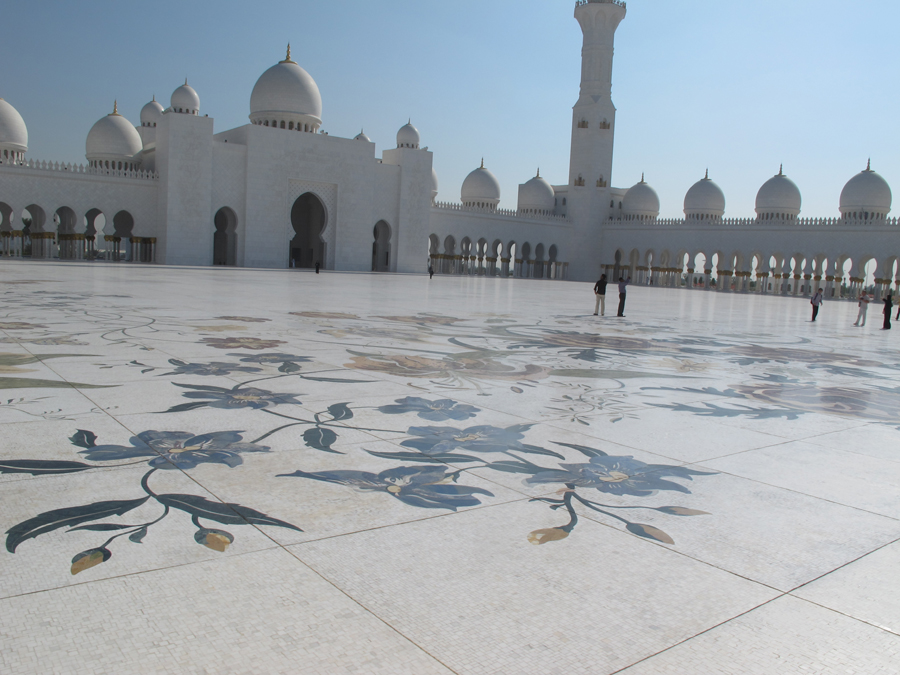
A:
[245, 471]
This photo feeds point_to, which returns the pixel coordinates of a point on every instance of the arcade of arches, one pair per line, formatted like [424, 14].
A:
[44, 234]
[495, 259]
[776, 273]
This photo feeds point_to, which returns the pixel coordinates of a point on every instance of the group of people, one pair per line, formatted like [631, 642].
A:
[600, 296]
[865, 299]
[816, 302]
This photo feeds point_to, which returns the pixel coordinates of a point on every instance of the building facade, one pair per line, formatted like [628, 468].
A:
[279, 192]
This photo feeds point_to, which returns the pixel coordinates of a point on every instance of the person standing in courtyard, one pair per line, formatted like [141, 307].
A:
[430, 272]
[816, 302]
[317, 266]
[863, 308]
[888, 306]
[600, 295]
[623, 284]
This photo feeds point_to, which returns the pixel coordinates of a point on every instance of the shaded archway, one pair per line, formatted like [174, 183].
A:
[308, 219]
[381, 247]
[225, 237]
[71, 243]
[123, 229]
[434, 254]
[94, 223]
[450, 261]
[538, 272]
[36, 242]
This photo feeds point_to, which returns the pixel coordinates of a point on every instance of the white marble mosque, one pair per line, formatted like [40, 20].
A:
[281, 192]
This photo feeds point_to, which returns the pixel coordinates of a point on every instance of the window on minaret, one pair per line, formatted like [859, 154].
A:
[583, 124]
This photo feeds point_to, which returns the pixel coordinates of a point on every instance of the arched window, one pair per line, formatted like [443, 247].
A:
[282, 124]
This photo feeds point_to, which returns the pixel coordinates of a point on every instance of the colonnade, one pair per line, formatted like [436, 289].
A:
[840, 276]
[478, 258]
[64, 241]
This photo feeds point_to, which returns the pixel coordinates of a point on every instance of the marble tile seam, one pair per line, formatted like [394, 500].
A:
[838, 569]
[404, 523]
[138, 574]
[792, 490]
[359, 603]
[626, 669]
[696, 559]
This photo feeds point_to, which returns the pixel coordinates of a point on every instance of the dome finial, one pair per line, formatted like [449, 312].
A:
[185, 81]
[642, 177]
[287, 59]
[538, 173]
[115, 107]
[869, 165]
[482, 162]
[781, 170]
[154, 97]
[706, 177]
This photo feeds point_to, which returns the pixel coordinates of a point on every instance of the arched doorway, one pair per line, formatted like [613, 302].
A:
[33, 219]
[381, 247]
[94, 222]
[123, 228]
[70, 247]
[308, 220]
[225, 238]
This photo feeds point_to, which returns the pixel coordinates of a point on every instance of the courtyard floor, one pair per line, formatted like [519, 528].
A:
[260, 472]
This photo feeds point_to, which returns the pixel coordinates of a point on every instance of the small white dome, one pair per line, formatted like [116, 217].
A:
[113, 138]
[13, 132]
[408, 136]
[779, 196]
[481, 189]
[866, 196]
[641, 202]
[185, 100]
[361, 136]
[151, 113]
[704, 201]
[537, 196]
[434, 185]
[286, 92]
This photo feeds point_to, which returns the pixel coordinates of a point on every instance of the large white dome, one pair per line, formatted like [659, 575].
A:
[779, 197]
[536, 196]
[286, 93]
[13, 132]
[151, 113]
[641, 202]
[361, 136]
[185, 100]
[866, 196]
[408, 136]
[113, 138]
[481, 189]
[704, 201]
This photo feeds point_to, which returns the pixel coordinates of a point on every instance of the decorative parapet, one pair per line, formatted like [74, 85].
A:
[620, 3]
[446, 206]
[79, 169]
[798, 223]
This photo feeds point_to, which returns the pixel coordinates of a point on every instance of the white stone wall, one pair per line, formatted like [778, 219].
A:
[184, 159]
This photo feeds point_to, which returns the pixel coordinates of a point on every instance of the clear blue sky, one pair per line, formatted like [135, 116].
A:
[738, 87]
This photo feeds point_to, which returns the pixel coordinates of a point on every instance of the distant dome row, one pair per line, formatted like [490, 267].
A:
[867, 196]
[285, 97]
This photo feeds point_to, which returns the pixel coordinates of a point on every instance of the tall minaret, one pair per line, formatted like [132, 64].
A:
[594, 117]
